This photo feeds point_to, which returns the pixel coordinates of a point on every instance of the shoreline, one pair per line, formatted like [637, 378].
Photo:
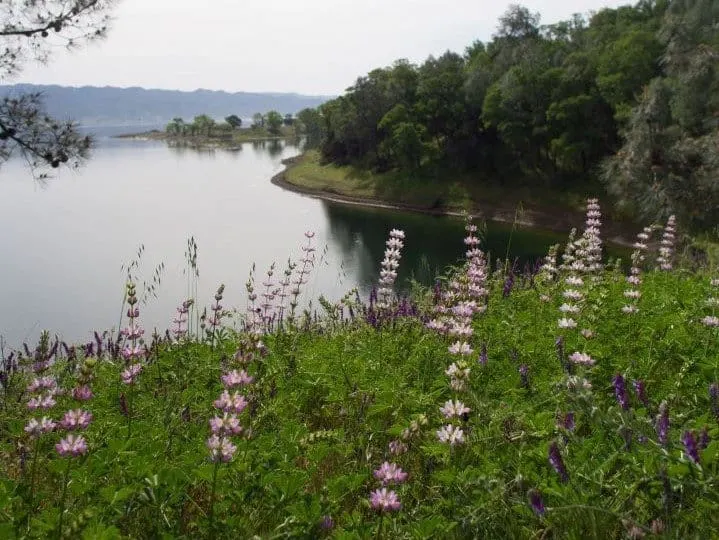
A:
[199, 142]
[530, 218]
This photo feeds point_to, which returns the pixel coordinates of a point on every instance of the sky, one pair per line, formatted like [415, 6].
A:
[316, 47]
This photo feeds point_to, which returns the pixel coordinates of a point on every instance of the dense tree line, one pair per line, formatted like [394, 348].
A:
[626, 94]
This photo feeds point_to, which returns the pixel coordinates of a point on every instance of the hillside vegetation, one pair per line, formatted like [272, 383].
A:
[572, 401]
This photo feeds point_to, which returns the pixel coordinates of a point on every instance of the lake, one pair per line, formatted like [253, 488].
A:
[64, 241]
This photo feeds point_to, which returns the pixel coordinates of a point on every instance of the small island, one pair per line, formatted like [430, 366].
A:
[205, 132]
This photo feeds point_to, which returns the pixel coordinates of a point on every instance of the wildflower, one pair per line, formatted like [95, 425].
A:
[567, 421]
[573, 294]
[577, 383]
[555, 460]
[82, 393]
[704, 438]
[690, 446]
[587, 333]
[42, 383]
[536, 503]
[221, 449]
[666, 250]
[662, 425]
[384, 501]
[41, 402]
[36, 428]
[327, 523]
[130, 374]
[524, 375]
[566, 323]
[641, 391]
[568, 308]
[574, 281]
[483, 359]
[235, 378]
[461, 347]
[390, 473]
[450, 434]
[711, 321]
[454, 408]
[714, 398]
[72, 446]
[234, 403]
[582, 359]
[389, 265]
[228, 424]
[620, 391]
[629, 309]
[77, 419]
[397, 447]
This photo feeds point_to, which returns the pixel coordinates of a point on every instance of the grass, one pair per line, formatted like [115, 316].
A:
[430, 190]
[332, 391]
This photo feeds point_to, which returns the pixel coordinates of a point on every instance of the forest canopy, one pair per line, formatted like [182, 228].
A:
[626, 95]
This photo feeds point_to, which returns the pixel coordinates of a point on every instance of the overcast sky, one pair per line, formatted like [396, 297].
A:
[304, 46]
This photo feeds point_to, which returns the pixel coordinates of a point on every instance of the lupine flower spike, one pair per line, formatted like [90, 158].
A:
[666, 249]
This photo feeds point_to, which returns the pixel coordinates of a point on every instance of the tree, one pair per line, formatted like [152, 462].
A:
[203, 124]
[258, 121]
[273, 120]
[26, 27]
[234, 121]
[288, 120]
[311, 124]
[176, 127]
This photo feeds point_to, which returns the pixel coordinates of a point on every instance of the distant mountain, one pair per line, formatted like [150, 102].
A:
[90, 105]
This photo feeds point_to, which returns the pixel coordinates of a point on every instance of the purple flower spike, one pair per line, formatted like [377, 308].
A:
[641, 391]
[620, 391]
[555, 460]
[690, 446]
[483, 358]
[663, 423]
[327, 523]
[704, 438]
[714, 397]
[568, 421]
[524, 375]
[535, 501]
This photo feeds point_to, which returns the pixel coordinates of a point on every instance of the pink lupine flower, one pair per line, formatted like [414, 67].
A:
[384, 501]
[390, 473]
[72, 446]
[133, 351]
[42, 383]
[565, 322]
[454, 408]
[133, 331]
[666, 250]
[131, 373]
[711, 321]
[462, 348]
[234, 403]
[82, 393]
[236, 378]
[41, 402]
[397, 447]
[450, 434]
[582, 359]
[77, 419]
[36, 428]
[221, 449]
[228, 424]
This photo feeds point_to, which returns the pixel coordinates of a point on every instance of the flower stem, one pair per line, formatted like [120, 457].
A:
[212, 500]
[379, 527]
[62, 498]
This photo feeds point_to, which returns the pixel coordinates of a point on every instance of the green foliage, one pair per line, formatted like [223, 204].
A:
[234, 121]
[551, 104]
[273, 121]
[329, 398]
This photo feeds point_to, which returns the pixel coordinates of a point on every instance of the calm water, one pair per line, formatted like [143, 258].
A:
[63, 243]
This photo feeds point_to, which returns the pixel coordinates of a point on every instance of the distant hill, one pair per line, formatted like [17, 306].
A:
[90, 105]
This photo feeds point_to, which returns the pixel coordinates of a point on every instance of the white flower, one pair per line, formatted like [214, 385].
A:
[567, 323]
[450, 434]
[710, 320]
[568, 308]
[582, 359]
